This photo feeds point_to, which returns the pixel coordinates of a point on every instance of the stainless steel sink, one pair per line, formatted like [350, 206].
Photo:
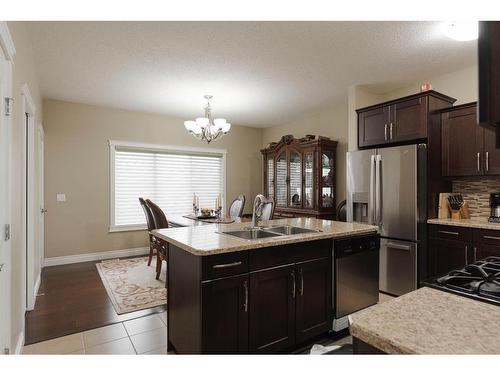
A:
[258, 233]
[288, 230]
[252, 234]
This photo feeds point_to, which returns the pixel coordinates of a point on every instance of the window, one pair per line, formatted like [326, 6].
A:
[167, 175]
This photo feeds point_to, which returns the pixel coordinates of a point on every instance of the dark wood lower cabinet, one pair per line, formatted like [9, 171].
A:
[225, 315]
[267, 301]
[361, 347]
[272, 309]
[482, 251]
[313, 302]
[449, 254]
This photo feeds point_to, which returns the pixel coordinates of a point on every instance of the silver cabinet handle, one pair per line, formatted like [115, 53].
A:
[391, 130]
[385, 132]
[491, 238]
[234, 264]
[475, 253]
[487, 161]
[245, 304]
[378, 190]
[393, 245]
[301, 290]
[292, 275]
[466, 260]
[479, 162]
[447, 232]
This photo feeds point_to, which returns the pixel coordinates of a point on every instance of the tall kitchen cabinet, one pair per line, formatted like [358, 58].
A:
[300, 175]
[467, 148]
[404, 120]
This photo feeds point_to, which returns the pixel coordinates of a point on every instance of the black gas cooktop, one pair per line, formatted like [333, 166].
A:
[479, 280]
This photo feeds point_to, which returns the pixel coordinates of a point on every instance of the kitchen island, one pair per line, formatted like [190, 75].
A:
[427, 321]
[266, 295]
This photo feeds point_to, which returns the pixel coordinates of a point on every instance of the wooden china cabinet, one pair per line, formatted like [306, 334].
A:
[300, 174]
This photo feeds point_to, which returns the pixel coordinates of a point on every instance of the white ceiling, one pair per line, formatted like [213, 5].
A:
[260, 73]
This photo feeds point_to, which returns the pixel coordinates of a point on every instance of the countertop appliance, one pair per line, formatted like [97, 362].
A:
[494, 208]
[387, 187]
[355, 276]
[479, 280]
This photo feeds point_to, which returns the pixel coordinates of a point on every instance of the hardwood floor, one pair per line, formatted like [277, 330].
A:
[72, 299]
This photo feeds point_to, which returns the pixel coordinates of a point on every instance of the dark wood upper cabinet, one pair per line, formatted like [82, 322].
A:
[467, 148]
[491, 152]
[373, 126]
[400, 121]
[225, 304]
[313, 298]
[489, 72]
[408, 120]
[461, 142]
[300, 174]
[272, 307]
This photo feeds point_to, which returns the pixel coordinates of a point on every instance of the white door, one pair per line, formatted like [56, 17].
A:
[41, 198]
[5, 134]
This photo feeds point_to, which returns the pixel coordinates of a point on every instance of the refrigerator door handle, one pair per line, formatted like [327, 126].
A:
[371, 195]
[378, 190]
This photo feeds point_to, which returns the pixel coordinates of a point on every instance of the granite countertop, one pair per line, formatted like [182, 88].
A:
[429, 321]
[481, 223]
[205, 239]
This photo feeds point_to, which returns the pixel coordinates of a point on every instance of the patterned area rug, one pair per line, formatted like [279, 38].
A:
[132, 285]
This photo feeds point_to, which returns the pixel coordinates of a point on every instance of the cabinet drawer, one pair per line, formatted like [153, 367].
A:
[223, 265]
[287, 254]
[487, 237]
[450, 232]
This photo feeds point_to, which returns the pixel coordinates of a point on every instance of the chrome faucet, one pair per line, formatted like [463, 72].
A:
[258, 205]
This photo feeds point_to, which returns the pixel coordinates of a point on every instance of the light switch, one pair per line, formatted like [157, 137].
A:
[61, 197]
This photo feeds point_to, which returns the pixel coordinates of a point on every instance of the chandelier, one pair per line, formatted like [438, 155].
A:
[207, 128]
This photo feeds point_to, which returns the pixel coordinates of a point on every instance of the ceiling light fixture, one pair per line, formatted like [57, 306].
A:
[461, 30]
[207, 128]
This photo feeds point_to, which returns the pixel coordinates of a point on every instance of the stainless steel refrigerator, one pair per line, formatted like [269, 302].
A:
[387, 187]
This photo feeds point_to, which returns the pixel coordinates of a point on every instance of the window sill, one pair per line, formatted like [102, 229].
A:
[127, 228]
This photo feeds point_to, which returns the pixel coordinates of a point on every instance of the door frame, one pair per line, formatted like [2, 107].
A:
[41, 203]
[28, 197]
[6, 63]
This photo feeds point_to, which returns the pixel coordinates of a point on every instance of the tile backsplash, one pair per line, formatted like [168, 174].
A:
[477, 194]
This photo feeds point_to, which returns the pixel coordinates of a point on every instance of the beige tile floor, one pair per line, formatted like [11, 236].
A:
[146, 335]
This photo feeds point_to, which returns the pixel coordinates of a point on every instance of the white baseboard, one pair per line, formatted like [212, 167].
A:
[70, 259]
[20, 343]
[35, 290]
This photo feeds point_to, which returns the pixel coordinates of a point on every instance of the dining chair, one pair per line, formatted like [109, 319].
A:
[151, 226]
[267, 209]
[161, 247]
[236, 208]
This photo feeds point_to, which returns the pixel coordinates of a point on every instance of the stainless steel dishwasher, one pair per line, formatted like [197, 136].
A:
[355, 276]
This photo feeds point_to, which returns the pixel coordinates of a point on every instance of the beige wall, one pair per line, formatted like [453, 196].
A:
[23, 73]
[331, 122]
[77, 164]
[461, 85]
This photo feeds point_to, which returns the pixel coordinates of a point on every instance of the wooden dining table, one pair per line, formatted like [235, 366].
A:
[183, 221]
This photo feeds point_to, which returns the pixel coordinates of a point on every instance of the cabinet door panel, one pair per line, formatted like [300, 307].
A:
[448, 255]
[313, 299]
[461, 144]
[309, 179]
[272, 309]
[372, 126]
[225, 315]
[295, 165]
[491, 152]
[270, 178]
[409, 120]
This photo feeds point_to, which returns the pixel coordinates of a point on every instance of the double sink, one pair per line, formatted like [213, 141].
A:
[267, 232]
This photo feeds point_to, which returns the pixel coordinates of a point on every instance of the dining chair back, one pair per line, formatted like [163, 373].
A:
[268, 209]
[161, 247]
[158, 215]
[150, 221]
[236, 208]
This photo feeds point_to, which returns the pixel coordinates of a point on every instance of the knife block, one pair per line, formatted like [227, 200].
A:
[455, 214]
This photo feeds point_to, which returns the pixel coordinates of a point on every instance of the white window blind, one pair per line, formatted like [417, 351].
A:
[167, 177]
